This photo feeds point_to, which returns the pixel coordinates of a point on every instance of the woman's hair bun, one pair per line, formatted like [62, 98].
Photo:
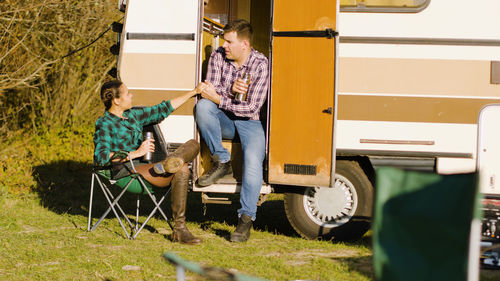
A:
[110, 90]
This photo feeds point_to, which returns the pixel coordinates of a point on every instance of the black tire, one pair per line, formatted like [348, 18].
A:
[342, 212]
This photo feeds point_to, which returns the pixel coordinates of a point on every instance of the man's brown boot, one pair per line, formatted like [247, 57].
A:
[217, 171]
[179, 197]
[242, 231]
[175, 160]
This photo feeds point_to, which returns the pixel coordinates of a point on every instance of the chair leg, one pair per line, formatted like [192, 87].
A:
[116, 208]
[111, 207]
[137, 213]
[157, 205]
[156, 208]
[115, 200]
[161, 211]
[90, 202]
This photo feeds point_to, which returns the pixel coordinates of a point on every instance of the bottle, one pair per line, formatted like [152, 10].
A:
[148, 156]
[246, 77]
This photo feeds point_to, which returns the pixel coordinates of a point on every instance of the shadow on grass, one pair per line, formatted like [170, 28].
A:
[271, 216]
[64, 188]
[363, 265]
[366, 241]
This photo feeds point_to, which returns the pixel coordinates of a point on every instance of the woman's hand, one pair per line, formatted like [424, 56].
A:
[180, 100]
[146, 146]
[200, 87]
[210, 93]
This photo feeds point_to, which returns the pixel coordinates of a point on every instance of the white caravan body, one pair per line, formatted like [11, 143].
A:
[412, 84]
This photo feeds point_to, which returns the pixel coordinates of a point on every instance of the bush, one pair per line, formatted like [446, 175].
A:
[48, 102]
[39, 89]
[21, 155]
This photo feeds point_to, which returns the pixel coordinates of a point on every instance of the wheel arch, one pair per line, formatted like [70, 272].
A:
[365, 164]
[357, 171]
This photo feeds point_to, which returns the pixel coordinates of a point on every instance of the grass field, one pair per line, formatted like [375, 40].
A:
[44, 194]
[46, 238]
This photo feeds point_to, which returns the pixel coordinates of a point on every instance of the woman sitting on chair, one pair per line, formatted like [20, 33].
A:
[120, 129]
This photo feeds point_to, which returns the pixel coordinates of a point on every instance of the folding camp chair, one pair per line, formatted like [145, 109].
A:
[426, 226]
[133, 183]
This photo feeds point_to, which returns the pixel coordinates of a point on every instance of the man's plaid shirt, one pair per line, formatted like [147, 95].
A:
[222, 73]
[113, 134]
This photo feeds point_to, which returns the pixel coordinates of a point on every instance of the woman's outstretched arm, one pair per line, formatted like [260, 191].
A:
[180, 100]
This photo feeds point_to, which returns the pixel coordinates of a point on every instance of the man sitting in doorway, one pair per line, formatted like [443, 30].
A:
[229, 106]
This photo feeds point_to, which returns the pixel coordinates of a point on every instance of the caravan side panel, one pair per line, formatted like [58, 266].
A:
[415, 88]
[159, 57]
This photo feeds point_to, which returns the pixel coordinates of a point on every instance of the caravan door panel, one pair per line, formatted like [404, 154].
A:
[303, 106]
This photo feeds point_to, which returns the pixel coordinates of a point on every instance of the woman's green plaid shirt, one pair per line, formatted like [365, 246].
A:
[113, 133]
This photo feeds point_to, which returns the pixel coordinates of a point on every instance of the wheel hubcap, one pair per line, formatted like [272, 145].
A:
[331, 207]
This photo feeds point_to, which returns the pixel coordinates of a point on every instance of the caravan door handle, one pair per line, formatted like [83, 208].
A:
[328, 110]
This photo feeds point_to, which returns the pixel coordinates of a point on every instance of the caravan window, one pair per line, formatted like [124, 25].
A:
[388, 6]
[217, 10]
[223, 11]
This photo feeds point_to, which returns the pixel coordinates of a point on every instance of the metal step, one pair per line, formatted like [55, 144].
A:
[229, 188]
[207, 199]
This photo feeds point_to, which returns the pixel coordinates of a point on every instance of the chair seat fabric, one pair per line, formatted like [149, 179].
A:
[134, 187]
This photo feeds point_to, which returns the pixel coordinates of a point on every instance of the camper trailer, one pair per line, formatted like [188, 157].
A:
[354, 85]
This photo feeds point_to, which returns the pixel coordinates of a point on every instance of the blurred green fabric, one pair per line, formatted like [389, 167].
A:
[422, 224]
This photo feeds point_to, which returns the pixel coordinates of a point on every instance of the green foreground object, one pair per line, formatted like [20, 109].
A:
[213, 273]
[422, 225]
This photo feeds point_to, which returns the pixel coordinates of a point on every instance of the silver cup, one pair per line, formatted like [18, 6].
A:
[246, 77]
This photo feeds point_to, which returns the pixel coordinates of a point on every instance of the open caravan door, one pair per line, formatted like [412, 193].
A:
[159, 58]
[303, 110]
[303, 99]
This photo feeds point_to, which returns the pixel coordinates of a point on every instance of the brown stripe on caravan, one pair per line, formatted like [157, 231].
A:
[152, 97]
[411, 109]
[417, 77]
[164, 71]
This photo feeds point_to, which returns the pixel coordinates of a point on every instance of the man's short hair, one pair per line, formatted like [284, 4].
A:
[242, 28]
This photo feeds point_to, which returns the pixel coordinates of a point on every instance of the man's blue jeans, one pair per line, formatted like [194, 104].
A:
[215, 125]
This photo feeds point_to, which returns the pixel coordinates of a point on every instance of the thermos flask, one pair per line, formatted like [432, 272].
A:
[148, 156]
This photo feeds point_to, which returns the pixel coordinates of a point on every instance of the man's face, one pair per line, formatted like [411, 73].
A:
[233, 46]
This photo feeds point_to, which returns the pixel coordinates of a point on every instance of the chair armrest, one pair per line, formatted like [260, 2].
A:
[121, 155]
[118, 156]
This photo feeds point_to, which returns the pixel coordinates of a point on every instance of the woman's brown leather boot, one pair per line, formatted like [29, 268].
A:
[175, 160]
[179, 197]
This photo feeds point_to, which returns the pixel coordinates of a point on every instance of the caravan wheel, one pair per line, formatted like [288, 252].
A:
[341, 212]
